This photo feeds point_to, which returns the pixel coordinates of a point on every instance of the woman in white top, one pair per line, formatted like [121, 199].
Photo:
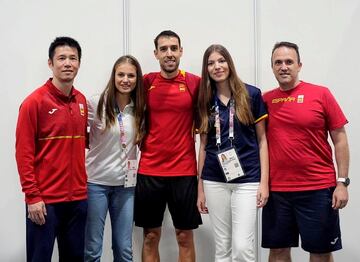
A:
[115, 121]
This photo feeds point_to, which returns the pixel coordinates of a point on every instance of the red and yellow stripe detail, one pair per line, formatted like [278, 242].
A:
[61, 137]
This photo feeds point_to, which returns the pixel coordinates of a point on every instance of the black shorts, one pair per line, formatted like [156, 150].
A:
[152, 193]
[308, 213]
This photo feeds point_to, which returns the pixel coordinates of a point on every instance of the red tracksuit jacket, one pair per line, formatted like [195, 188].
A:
[50, 145]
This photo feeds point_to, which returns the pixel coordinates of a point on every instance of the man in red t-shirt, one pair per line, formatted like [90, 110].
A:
[305, 195]
[167, 173]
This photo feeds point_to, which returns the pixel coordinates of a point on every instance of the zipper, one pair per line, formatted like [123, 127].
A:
[70, 172]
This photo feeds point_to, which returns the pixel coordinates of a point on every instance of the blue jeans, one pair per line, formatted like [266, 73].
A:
[120, 203]
[65, 222]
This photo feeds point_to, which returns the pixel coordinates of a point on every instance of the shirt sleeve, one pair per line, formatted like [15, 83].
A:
[148, 79]
[258, 106]
[92, 104]
[25, 147]
[92, 110]
[335, 117]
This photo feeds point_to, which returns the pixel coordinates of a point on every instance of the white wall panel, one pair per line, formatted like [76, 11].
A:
[199, 24]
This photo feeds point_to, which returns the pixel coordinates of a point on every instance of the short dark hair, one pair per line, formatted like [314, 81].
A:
[166, 33]
[288, 45]
[63, 41]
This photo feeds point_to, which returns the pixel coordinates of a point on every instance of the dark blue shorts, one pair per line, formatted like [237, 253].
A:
[153, 193]
[308, 213]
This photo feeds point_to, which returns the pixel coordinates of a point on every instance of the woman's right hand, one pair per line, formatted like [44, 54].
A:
[201, 202]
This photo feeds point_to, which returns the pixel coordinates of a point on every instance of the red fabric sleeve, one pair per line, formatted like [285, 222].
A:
[334, 115]
[25, 146]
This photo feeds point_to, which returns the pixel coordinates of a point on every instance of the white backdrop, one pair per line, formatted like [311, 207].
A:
[326, 31]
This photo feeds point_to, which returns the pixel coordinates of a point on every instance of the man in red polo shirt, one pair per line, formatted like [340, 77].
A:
[167, 173]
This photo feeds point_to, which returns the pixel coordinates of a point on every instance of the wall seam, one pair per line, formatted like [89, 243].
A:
[126, 27]
[256, 75]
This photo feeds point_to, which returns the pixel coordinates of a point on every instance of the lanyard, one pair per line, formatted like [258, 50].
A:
[231, 122]
[122, 129]
[131, 163]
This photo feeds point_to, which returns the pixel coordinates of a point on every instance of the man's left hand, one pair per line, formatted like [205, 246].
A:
[340, 197]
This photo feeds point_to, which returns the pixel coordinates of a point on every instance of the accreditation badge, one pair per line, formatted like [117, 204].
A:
[130, 176]
[230, 164]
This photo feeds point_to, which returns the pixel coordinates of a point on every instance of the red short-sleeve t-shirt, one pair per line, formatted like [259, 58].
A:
[168, 148]
[298, 126]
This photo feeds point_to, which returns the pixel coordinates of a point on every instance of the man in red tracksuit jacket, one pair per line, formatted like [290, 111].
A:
[50, 156]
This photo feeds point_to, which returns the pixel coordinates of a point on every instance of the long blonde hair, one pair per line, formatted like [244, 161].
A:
[208, 89]
[107, 99]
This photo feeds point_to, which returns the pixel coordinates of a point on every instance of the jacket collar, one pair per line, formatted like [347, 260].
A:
[56, 92]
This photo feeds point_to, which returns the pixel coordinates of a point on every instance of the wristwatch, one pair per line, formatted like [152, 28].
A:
[344, 180]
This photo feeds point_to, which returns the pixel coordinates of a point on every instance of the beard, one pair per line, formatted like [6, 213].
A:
[170, 69]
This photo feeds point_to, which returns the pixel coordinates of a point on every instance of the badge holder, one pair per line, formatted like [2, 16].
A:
[130, 176]
[230, 164]
[131, 169]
